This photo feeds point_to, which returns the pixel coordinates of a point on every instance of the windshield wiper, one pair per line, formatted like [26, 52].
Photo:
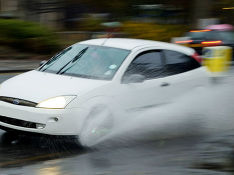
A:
[53, 59]
[80, 54]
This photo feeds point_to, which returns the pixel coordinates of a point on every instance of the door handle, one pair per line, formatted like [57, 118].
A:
[164, 84]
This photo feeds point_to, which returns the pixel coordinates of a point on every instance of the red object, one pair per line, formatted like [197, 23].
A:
[197, 57]
[206, 30]
[212, 43]
[183, 42]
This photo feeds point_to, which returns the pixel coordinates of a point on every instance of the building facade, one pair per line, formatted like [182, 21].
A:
[46, 12]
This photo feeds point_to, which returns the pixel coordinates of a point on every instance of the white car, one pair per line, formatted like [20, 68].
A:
[84, 88]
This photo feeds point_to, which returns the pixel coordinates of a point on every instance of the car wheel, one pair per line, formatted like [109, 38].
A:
[97, 126]
[9, 138]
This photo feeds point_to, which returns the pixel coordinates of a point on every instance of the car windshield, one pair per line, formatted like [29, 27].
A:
[87, 61]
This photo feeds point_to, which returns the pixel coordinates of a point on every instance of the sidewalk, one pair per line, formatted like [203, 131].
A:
[18, 65]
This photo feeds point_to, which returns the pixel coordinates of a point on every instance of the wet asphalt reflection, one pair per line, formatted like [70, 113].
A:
[19, 150]
[52, 156]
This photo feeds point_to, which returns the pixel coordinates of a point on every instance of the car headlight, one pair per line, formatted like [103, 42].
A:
[56, 103]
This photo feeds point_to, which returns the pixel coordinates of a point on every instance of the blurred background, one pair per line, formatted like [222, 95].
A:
[35, 29]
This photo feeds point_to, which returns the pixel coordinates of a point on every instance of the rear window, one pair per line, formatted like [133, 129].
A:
[226, 36]
[208, 35]
[177, 62]
[196, 35]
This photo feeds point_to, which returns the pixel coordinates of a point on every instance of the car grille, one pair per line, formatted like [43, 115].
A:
[17, 101]
[16, 122]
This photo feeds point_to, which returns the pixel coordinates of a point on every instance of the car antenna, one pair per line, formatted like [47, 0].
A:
[104, 41]
[109, 34]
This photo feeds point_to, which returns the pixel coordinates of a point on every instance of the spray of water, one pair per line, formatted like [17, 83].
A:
[203, 110]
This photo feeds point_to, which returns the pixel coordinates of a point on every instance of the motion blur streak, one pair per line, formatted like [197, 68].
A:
[200, 30]
[50, 171]
[211, 42]
[186, 41]
[204, 110]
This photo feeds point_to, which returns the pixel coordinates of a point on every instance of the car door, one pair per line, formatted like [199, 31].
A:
[183, 73]
[148, 93]
[168, 75]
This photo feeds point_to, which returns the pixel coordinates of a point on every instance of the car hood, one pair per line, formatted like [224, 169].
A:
[37, 86]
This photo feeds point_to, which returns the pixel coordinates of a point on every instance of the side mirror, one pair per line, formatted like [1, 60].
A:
[134, 78]
[42, 62]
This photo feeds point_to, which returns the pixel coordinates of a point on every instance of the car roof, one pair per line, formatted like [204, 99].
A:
[130, 44]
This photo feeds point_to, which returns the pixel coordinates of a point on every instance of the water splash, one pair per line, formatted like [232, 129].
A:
[203, 110]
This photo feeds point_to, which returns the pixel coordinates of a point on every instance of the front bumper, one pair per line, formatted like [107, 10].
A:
[55, 121]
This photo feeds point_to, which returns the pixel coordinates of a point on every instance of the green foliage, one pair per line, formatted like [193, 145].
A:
[27, 36]
[152, 31]
[91, 23]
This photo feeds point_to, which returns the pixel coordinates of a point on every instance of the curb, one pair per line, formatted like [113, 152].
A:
[15, 70]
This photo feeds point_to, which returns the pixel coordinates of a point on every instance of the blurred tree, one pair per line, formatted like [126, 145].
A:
[191, 11]
[119, 8]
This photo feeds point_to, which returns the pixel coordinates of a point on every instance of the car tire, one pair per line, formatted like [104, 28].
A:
[9, 137]
[97, 126]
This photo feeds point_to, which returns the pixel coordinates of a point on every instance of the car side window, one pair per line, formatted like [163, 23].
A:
[177, 62]
[150, 64]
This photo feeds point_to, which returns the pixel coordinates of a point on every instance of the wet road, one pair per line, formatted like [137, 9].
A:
[191, 155]
[202, 154]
